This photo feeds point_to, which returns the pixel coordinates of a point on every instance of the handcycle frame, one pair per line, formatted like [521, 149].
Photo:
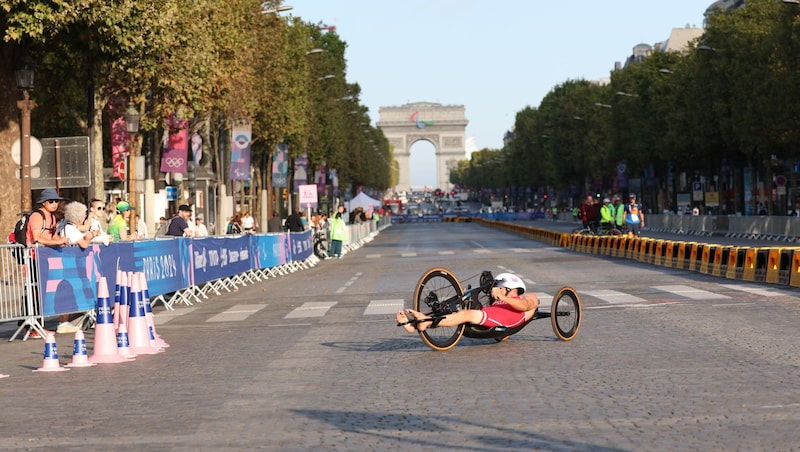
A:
[439, 293]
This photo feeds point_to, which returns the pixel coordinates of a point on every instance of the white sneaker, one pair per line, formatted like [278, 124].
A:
[66, 328]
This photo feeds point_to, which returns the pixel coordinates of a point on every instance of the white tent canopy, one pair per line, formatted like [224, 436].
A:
[362, 200]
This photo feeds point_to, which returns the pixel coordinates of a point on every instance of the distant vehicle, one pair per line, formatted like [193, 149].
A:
[394, 205]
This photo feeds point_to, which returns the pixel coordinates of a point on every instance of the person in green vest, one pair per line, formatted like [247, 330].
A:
[606, 215]
[619, 214]
[338, 233]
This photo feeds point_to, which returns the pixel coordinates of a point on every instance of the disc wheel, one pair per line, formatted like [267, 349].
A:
[438, 285]
[565, 314]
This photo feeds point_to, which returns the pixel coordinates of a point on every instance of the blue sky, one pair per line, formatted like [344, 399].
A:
[495, 58]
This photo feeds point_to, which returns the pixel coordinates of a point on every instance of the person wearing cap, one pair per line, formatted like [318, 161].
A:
[118, 228]
[634, 218]
[179, 225]
[606, 216]
[619, 213]
[42, 229]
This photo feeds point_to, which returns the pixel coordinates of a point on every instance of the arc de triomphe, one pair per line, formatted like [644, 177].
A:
[444, 126]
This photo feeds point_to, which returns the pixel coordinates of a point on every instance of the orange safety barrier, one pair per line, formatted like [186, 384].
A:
[762, 258]
[794, 278]
[705, 258]
[669, 254]
[773, 265]
[695, 252]
[720, 263]
[658, 255]
[749, 267]
[785, 267]
[735, 263]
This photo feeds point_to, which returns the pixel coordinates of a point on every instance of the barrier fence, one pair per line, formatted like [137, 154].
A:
[772, 265]
[176, 269]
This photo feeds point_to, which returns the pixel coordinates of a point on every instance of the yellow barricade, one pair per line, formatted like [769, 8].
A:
[734, 262]
[794, 278]
[785, 268]
[773, 265]
[695, 254]
[669, 256]
[720, 262]
[749, 268]
[705, 258]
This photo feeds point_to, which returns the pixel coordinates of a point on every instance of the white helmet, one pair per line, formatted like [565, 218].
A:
[510, 281]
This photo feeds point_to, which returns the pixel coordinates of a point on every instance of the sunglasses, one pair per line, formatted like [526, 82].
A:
[51, 201]
[100, 207]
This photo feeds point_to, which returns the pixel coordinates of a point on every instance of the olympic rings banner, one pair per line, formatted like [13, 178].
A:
[68, 276]
[173, 159]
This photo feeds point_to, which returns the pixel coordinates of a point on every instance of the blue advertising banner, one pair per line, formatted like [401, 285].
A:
[220, 257]
[68, 278]
[166, 264]
[302, 247]
[269, 251]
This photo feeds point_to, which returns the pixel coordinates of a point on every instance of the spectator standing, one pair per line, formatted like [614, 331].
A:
[75, 215]
[179, 226]
[141, 227]
[248, 223]
[338, 233]
[294, 222]
[97, 209]
[634, 218]
[619, 213]
[43, 229]
[118, 228]
[200, 229]
[274, 223]
[606, 215]
[235, 225]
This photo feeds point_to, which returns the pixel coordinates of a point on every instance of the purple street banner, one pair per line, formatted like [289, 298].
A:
[300, 171]
[302, 247]
[335, 182]
[220, 257]
[319, 177]
[119, 145]
[280, 166]
[271, 250]
[176, 147]
[197, 148]
[240, 152]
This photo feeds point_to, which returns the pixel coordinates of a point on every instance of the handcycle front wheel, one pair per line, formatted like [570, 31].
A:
[437, 285]
[565, 314]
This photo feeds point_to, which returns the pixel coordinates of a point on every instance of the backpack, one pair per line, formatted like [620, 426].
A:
[163, 228]
[20, 235]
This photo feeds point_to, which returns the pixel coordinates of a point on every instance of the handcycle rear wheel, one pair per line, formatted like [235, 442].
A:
[565, 314]
[436, 285]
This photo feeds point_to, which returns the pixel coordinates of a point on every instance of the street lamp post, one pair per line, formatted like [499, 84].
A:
[132, 127]
[24, 76]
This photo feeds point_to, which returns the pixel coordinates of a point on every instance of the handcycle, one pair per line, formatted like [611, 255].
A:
[439, 293]
[321, 244]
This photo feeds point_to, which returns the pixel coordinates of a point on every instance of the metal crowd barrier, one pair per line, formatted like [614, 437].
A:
[19, 299]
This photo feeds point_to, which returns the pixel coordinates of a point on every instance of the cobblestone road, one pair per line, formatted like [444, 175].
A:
[665, 360]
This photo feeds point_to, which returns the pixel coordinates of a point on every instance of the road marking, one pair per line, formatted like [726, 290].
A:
[635, 306]
[377, 307]
[372, 256]
[408, 255]
[543, 296]
[754, 290]
[614, 297]
[311, 309]
[446, 253]
[237, 313]
[690, 292]
[725, 305]
[166, 316]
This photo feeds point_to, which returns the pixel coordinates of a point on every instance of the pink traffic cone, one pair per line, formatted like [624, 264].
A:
[138, 331]
[105, 340]
[123, 346]
[50, 362]
[118, 297]
[155, 338]
[79, 356]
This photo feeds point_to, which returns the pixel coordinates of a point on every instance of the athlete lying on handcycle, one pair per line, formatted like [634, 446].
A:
[511, 308]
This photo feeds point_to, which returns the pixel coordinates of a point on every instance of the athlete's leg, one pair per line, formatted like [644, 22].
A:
[454, 319]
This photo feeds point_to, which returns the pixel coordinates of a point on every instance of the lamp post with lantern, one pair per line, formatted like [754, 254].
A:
[24, 76]
[132, 127]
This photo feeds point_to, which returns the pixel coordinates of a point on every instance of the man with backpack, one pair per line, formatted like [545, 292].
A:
[179, 224]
